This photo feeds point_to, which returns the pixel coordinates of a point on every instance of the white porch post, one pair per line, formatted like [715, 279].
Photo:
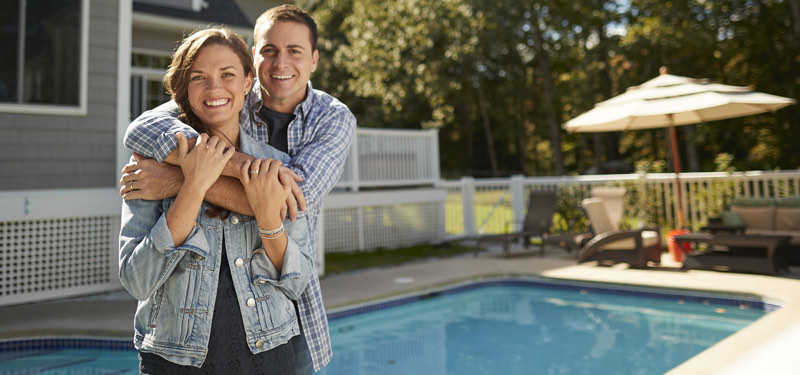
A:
[468, 204]
[517, 184]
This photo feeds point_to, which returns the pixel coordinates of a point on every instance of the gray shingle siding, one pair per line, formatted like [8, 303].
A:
[60, 151]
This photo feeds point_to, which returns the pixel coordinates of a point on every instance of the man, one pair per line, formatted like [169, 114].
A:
[284, 110]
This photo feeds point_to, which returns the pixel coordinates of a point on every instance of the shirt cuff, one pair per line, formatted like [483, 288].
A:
[168, 142]
[162, 239]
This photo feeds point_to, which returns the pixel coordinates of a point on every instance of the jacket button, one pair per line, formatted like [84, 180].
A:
[260, 344]
[234, 220]
[251, 302]
[239, 262]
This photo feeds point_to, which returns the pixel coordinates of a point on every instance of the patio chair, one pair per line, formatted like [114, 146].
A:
[538, 219]
[610, 245]
[614, 199]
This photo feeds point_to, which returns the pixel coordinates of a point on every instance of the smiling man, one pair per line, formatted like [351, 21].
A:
[282, 110]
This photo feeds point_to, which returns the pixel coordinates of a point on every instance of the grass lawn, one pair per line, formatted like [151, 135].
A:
[343, 262]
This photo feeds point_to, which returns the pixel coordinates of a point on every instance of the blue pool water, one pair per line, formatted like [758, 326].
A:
[488, 327]
[534, 328]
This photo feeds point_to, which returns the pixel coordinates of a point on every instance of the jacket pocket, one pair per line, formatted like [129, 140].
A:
[180, 306]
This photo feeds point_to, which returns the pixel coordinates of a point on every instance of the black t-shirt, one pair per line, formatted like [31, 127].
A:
[277, 126]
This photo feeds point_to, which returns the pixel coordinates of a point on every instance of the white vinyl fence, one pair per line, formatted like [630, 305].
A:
[498, 205]
[62, 243]
[391, 158]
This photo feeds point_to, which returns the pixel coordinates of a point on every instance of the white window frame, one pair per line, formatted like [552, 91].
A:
[67, 110]
[148, 74]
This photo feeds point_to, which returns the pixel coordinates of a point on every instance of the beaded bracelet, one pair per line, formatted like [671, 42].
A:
[270, 232]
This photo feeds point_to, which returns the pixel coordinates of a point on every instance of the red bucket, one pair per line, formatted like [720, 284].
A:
[677, 251]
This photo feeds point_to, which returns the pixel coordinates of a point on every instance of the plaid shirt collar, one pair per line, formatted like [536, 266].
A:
[256, 100]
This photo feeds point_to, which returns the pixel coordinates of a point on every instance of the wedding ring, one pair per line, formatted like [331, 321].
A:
[254, 171]
[130, 184]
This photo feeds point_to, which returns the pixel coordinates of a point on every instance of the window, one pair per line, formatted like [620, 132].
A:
[42, 48]
[147, 92]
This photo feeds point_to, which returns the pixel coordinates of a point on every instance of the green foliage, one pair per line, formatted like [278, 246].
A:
[344, 262]
[474, 70]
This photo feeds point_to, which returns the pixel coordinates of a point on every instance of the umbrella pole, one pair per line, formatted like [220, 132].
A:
[676, 163]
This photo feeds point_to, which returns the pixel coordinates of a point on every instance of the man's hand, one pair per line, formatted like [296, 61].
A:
[149, 179]
[289, 179]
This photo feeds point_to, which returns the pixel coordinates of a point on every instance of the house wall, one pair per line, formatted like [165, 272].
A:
[185, 4]
[64, 151]
[253, 8]
[159, 40]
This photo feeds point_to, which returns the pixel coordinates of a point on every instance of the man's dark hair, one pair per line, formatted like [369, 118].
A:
[287, 13]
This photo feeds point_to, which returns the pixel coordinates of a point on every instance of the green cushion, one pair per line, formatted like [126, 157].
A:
[731, 218]
[753, 202]
[788, 202]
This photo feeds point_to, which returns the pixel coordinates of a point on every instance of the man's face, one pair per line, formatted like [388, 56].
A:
[284, 61]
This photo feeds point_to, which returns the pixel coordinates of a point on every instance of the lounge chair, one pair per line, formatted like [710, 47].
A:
[610, 245]
[538, 219]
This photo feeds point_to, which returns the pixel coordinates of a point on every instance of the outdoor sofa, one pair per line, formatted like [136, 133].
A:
[768, 216]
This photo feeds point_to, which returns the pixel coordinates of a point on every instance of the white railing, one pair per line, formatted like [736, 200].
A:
[391, 158]
[61, 243]
[357, 221]
[498, 205]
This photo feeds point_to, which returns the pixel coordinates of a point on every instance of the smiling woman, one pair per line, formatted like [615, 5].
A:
[215, 288]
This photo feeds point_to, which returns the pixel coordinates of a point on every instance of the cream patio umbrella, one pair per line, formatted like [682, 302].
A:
[670, 101]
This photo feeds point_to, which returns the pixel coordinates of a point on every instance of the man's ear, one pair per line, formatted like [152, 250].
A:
[314, 59]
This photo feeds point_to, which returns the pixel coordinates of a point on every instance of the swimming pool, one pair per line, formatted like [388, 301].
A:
[534, 327]
[498, 326]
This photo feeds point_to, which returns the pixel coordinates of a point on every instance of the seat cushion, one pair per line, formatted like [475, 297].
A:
[787, 218]
[649, 238]
[756, 217]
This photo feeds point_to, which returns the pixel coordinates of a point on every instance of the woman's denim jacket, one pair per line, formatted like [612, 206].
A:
[177, 286]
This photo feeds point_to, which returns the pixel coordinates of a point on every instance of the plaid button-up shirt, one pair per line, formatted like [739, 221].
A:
[318, 138]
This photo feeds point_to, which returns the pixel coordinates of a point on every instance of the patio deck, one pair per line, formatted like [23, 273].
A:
[766, 345]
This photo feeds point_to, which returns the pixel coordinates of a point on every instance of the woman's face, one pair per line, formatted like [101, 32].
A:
[217, 86]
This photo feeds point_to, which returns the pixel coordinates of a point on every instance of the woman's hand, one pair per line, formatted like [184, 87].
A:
[264, 191]
[203, 165]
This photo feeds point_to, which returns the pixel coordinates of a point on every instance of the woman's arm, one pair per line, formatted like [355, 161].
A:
[152, 242]
[266, 196]
[201, 167]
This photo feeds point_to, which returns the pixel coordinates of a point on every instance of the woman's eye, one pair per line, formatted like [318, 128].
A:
[196, 78]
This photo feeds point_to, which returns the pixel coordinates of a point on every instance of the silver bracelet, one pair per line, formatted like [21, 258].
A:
[263, 237]
[271, 232]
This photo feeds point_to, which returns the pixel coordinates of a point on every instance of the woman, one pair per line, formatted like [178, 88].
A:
[215, 288]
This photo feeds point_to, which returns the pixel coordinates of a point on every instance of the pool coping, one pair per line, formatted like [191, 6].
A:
[765, 346]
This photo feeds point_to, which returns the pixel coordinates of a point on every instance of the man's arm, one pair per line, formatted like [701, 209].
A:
[320, 162]
[150, 180]
[152, 135]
